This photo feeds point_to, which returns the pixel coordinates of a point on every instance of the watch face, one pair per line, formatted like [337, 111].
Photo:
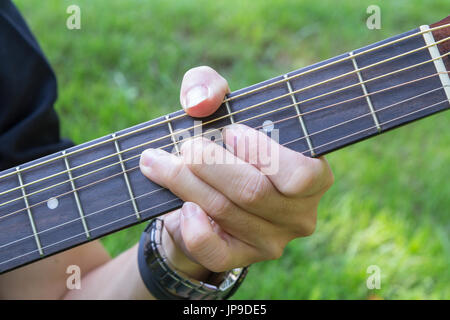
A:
[231, 279]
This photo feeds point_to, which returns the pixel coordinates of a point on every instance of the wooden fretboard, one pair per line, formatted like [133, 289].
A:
[85, 192]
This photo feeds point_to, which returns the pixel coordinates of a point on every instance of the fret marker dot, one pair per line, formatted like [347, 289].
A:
[52, 203]
[268, 126]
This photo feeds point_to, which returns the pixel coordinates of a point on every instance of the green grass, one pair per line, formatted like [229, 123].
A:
[391, 200]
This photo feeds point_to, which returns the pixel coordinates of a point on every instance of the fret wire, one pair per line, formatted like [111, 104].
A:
[135, 131]
[353, 119]
[434, 53]
[79, 188]
[125, 176]
[75, 194]
[360, 116]
[300, 118]
[30, 215]
[62, 182]
[172, 135]
[227, 105]
[278, 109]
[154, 191]
[288, 118]
[284, 144]
[250, 107]
[360, 131]
[343, 75]
[69, 192]
[363, 86]
[242, 94]
[348, 100]
[338, 61]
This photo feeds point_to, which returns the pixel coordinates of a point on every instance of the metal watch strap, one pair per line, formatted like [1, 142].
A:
[167, 284]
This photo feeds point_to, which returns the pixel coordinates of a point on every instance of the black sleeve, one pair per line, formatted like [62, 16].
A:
[29, 126]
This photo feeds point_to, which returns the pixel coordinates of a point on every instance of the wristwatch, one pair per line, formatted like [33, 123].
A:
[166, 283]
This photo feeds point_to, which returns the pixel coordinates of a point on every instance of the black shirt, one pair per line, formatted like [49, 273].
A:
[29, 126]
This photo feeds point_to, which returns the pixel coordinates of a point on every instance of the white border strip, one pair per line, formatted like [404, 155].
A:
[438, 63]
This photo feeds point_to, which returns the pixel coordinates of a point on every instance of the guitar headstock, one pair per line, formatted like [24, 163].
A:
[440, 34]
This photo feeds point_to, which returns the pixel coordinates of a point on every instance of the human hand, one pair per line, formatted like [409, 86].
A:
[235, 214]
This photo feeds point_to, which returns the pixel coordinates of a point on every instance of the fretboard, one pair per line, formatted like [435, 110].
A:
[85, 192]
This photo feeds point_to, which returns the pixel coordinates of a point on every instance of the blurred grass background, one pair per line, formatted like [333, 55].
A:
[391, 200]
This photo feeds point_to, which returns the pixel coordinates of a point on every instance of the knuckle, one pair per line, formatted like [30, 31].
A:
[275, 252]
[308, 225]
[299, 181]
[253, 191]
[310, 176]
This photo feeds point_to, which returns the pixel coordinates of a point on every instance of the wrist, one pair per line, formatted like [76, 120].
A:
[180, 261]
[163, 281]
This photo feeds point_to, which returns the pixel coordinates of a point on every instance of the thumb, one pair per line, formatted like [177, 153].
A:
[202, 240]
[202, 91]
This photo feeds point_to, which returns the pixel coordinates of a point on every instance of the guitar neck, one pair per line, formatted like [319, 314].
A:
[85, 192]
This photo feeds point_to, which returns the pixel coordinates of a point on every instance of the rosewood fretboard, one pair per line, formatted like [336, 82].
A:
[80, 194]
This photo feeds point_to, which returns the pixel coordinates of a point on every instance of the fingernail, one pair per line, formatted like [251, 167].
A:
[195, 95]
[189, 209]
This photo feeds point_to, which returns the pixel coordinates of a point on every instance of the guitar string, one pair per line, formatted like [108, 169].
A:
[244, 120]
[213, 120]
[87, 215]
[189, 128]
[360, 131]
[289, 142]
[232, 98]
[356, 118]
[232, 113]
[278, 121]
[281, 120]
[335, 62]
[177, 199]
